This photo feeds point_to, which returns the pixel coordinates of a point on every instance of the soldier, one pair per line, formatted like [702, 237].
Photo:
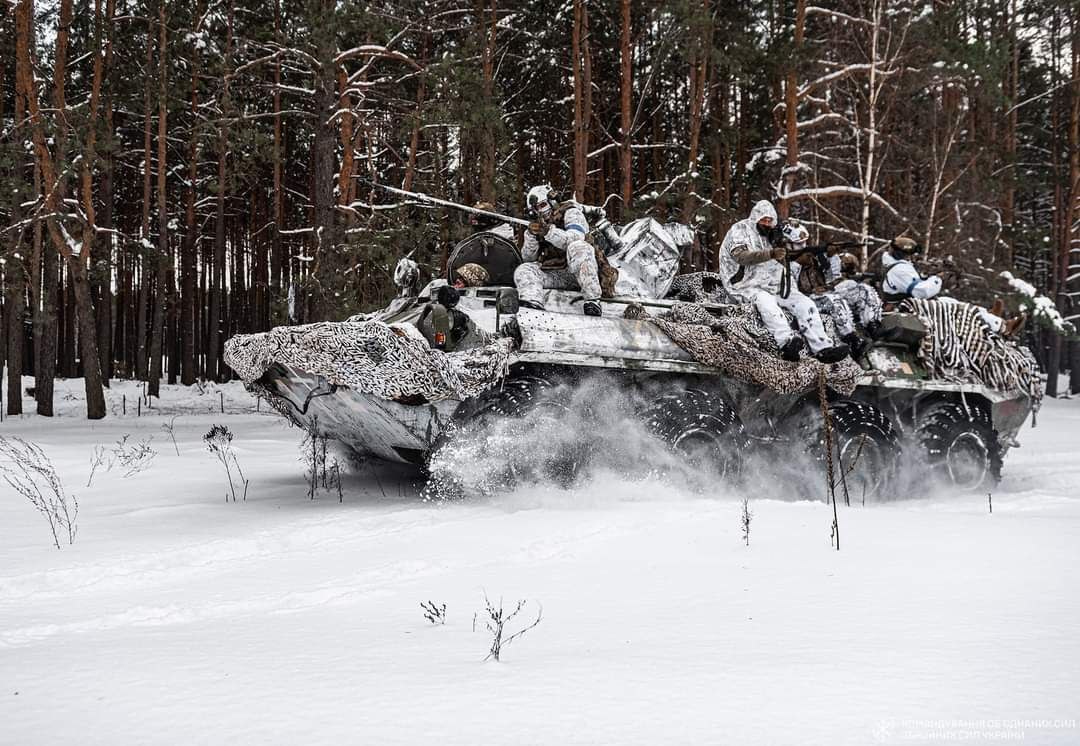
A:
[901, 276]
[471, 275]
[813, 282]
[555, 252]
[490, 224]
[861, 298]
[753, 269]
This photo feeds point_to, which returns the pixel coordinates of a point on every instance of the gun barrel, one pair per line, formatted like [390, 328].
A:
[447, 203]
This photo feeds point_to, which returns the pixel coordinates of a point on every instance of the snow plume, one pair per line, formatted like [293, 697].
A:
[595, 441]
[591, 431]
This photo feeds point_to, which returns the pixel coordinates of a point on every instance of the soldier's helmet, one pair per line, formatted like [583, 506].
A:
[540, 200]
[904, 245]
[473, 275]
[849, 264]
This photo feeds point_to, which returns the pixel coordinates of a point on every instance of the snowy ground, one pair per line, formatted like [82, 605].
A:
[179, 618]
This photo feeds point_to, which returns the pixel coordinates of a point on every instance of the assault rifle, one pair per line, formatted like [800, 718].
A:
[822, 251]
[820, 254]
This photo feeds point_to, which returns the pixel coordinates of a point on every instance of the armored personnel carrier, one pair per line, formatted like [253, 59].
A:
[890, 413]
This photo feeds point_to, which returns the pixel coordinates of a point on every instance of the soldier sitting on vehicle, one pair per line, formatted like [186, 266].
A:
[555, 252]
[753, 268]
[471, 275]
[901, 278]
[812, 269]
[847, 282]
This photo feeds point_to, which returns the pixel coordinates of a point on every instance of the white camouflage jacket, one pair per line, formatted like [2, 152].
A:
[569, 226]
[744, 237]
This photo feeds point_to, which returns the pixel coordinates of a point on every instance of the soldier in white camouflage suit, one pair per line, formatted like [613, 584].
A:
[752, 268]
[863, 299]
[555, 253]
[901, 276]
[819, 283]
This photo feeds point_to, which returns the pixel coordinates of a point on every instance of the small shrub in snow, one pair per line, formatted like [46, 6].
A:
[498, 623]
[97, 458]
[28, 471]
[321, 467]
[433, 613]
[334, 472]
[219, 441]
[168, 429]
[830, 478]
[132, 458]
[745, 520]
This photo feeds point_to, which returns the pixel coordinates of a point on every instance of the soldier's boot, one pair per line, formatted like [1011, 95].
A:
[790, 350]
[856, 344]
[833, 354]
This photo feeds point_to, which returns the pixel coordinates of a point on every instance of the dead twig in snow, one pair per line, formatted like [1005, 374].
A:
[497, 622]
[28, 471]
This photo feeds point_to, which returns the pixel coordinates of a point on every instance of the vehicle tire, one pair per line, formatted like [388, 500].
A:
[867, 444]
[703, 429]
[961, 446]
[541, 407]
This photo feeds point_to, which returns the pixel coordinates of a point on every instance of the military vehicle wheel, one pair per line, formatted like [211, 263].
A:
[869, 449]
[961, 446]
[703, 429]
[534, 399]
[865, 441]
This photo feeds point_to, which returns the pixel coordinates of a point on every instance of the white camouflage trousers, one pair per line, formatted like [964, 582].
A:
[862, 299]
[837, 309]
[581, 272]
[798, 305]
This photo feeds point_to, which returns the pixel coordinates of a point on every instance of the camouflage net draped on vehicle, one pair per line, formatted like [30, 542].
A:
[736, 343]
[959, 347]
[390, 362]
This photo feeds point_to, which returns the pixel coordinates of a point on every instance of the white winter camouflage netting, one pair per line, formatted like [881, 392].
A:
[960, 347]
[390, 362]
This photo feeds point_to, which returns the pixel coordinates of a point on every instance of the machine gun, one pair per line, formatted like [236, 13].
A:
[426, 198]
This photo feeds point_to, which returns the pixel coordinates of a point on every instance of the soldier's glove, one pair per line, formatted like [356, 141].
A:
[538, 228]
[779, 254]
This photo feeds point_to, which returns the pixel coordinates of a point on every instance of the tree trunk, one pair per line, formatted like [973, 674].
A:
[188, 265]
[45, 274]
[579, 41]
[79, 264]
[791, 106]
[626, 65]
[68, 364]
[15, 270]
[418, 118]
[161, 294]
[144, 264]
[14, 308]
[104, 300]
[699, 88]
[323, 277]
[277, 260]
[488, 146]
[872, 136]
